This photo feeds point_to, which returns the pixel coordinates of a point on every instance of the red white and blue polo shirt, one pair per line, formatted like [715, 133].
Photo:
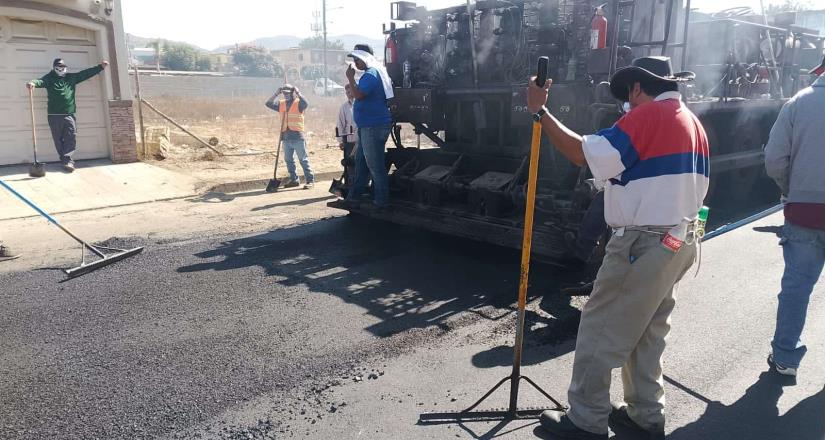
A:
[654, 164]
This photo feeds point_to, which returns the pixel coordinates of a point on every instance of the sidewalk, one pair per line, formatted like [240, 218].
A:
[94, 185]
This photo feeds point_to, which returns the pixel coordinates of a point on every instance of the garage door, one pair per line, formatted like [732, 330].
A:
[27, 49]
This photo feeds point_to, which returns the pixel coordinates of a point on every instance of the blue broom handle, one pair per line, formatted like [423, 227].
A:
[29, 202]
[48, 217]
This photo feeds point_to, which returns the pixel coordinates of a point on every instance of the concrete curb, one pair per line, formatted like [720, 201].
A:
[258, 184]
[223, 188]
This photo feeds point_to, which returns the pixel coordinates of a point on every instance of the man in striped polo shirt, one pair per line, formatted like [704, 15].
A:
[654, 165]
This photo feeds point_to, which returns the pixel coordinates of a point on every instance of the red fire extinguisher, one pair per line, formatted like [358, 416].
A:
[598, 30]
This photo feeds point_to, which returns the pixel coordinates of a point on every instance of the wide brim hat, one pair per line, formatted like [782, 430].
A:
[645, 69]
[820, 69]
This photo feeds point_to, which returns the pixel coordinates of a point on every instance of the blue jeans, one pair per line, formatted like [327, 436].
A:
[297, 147]
[804, 252]
[369, 160]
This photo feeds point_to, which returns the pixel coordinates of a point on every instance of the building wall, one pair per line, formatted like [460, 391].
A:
[110, 38]
[122, 117]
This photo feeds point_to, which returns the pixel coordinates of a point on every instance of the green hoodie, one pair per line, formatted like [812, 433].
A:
[61, 91]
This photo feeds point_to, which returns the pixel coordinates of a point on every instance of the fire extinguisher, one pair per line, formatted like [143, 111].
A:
[598, 30]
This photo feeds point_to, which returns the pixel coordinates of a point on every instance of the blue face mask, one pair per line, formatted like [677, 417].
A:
[61, 71]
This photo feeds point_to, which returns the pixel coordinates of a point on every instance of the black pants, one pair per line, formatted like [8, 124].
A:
[64, 133]
[349, 164]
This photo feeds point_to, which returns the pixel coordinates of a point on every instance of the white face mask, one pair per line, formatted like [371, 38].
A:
[626, 107]
[61, 71]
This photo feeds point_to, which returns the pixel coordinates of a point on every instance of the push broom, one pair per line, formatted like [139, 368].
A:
[106, 255]
[513, 412]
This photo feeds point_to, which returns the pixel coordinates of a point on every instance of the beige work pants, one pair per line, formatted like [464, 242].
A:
[624, 324]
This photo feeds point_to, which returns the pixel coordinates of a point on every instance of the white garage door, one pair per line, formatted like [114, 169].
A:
[27, 49]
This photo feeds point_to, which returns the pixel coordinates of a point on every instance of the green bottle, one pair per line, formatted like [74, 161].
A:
[703, 221]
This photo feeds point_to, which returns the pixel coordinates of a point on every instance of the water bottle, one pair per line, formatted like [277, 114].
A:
[407, 75]
[702, 221]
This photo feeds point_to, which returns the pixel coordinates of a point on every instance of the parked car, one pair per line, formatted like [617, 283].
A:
[333, 88]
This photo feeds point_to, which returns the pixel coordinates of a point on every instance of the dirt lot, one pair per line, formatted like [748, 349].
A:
[248, 135]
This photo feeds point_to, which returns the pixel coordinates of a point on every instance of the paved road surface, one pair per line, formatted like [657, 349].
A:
[347, 329]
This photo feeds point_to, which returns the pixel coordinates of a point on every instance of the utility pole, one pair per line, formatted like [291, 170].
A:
[324, 13]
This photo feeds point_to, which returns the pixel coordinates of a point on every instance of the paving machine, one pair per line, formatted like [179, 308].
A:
[460, 77]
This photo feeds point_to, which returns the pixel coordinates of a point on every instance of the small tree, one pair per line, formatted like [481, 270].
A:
[204, 64]
[179, 56]
[256, 61]
[317, 42]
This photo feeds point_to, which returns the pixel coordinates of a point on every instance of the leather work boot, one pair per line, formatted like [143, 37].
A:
[620, 420]
[560, 426]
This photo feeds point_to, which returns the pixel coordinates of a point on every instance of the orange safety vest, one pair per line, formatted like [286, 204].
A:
[294, 119]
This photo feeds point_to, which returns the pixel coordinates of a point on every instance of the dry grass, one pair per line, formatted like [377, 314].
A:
[248, 134]
[245, 120]
[243, 126]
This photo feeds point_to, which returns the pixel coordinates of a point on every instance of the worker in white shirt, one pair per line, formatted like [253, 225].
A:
[347, 133]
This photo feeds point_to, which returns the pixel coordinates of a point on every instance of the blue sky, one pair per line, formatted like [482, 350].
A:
[210, 24]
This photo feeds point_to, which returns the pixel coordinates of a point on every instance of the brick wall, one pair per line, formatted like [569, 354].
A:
[124, 143]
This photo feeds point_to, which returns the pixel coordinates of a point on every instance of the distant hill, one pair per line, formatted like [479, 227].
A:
[286, 41]
[271, 43]
[134, 41]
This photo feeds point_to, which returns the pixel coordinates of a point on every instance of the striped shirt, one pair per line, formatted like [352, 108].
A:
[654, 164]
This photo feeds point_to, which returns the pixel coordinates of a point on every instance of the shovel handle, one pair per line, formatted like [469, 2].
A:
[34, 128]
[284, 115]
[543, 68]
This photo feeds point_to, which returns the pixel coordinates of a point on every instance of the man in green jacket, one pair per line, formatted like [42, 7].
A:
[60, 85]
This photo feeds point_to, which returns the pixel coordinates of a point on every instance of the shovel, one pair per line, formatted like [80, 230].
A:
[275, 183]
[36, 169]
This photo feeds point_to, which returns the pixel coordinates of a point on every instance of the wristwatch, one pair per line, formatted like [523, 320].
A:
[538, 115]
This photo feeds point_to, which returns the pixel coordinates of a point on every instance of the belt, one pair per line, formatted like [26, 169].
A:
[691, 237]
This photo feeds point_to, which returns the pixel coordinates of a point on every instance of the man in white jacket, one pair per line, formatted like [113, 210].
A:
[347, 132]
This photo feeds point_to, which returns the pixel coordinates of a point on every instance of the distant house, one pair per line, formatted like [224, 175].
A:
[310, 62]
[82, 32]
[221, 61]
[144, 56]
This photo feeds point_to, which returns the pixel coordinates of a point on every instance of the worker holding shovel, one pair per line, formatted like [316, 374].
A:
[292, 107]
[60, 86]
